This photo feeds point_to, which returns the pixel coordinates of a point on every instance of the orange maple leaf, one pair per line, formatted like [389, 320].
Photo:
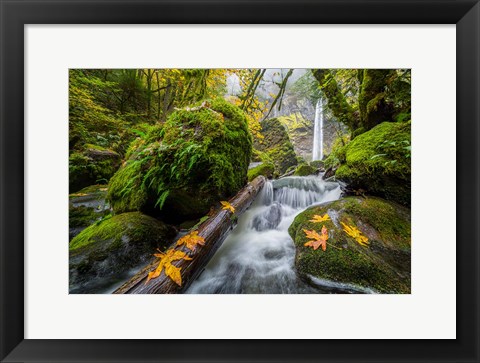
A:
[228, 206]
[166, 265]
[355, 233]
[319, 219]
[191, 240]
[317, 240]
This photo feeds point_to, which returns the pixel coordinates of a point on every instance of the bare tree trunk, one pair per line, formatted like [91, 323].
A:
[214, 231]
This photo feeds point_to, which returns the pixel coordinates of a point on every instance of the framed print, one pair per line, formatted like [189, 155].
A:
[270, 181]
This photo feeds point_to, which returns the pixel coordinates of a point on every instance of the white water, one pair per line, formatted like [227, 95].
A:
[317, 153]
[258, 255]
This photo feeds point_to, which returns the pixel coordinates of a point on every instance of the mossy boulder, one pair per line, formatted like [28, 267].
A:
[265, 169]
[86, 207]
[92, 165]
[180, 169]
[378, 161]
[317, 164]
[112, 246]
[276, 146]
[382, 266]
[304, 170]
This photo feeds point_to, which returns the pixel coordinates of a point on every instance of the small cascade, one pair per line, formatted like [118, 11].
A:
[317, 152]
[258, 256]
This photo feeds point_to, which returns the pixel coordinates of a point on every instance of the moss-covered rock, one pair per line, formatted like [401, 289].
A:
[92, 165]
[304, 170]
[178, 170]
[378, 161]
[383, 265]
[276, 146]
[265, 169]
[113, 246]
[317, 164]
[86, 207]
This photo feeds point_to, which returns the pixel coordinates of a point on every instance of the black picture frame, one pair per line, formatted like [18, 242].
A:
[16, 13]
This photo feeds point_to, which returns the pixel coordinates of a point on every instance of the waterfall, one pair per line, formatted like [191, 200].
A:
[317, 153]
[258, 255]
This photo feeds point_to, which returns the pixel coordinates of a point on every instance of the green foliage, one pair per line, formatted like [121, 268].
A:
[265, 169]
[85, 171]
[199, 156]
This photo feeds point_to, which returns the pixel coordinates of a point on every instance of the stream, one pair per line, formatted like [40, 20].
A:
[258, 255]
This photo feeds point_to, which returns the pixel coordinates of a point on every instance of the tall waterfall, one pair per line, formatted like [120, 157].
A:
[317, 153]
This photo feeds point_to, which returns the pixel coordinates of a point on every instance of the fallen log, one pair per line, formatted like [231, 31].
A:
[214, 231]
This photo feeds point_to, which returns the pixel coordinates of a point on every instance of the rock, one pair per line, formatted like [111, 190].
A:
[91, 166]
[304, 170]
[378, 161]
[109, 248]
[317, 164]
[265, 169]
[276, 146]
[268, 220]
[382, 266]
[179, 170]
[329, 173]
[86, 207]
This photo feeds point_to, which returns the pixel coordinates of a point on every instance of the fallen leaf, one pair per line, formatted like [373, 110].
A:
[228, 206]
[317, 239]
[319, 219]
[191, 240]
[166, 259]
[355, 233]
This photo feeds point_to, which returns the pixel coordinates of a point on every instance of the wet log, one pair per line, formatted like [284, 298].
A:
[214, 231]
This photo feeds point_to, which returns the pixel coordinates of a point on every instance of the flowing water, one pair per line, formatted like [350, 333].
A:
[258, 255]
[317, 153]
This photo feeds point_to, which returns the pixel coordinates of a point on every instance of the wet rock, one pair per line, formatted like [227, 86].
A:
[268, 220]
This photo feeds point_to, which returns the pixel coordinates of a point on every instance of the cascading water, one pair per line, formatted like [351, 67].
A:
[258, 255]
[317, 152]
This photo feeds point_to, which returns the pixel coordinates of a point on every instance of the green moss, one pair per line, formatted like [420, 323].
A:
[317, 164]
[126, 190]
[384, 265]
[276, 146]
[304, 170]
[91, 189]
[135, 226]
[372, 97]
[82, 216]
[113, 246]
[95, 147]
[85, 171]
[265, 169]
[378, 161]
[198, 157]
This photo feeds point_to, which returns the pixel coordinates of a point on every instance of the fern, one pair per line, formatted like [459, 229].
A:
[161, 200]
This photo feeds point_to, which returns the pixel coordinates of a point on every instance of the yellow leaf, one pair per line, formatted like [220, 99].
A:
[355, 233]
[319, 219]
[228, 206]
[166, 260]
[174, 273]
[191, 240]
[317, 240]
